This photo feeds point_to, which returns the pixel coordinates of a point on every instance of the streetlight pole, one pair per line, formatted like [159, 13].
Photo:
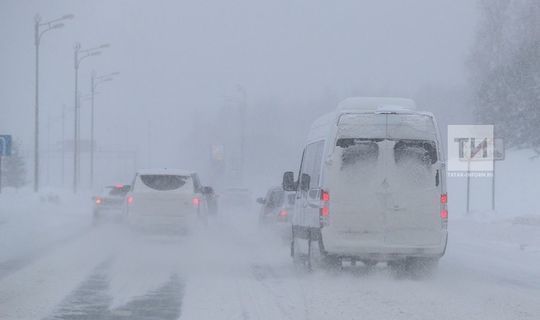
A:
[92, 92]
[95, 81]
[79, 56]
[63, 142]
[243, 109]
[39, 29]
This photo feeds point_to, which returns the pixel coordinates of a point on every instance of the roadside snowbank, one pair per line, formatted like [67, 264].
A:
[31, 222]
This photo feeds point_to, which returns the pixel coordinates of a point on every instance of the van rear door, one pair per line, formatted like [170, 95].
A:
[354, 181]
[382, 179]
[413, 194]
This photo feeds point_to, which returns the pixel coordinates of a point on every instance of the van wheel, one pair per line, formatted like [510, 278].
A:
[369, 263]
[332, 262]
[298, 259]
[422, 267]
[414, 267]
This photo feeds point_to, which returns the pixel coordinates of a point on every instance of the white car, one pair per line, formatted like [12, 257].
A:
[166, 201]
[372, 186]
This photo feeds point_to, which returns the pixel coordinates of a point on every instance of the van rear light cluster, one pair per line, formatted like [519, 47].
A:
[196, 202]
[444, 210]
[324, 211]
[130, 200]
[98, 201]
[283, 213]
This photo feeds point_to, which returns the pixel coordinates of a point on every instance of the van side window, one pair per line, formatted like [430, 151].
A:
[312, 162]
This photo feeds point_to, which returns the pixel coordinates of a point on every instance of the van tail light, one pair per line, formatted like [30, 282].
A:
[444, 198]
[283, 213]
[444, 214]
[444, 210]
[196, 202]
[130, 199]
[98, 201]
[324, 211]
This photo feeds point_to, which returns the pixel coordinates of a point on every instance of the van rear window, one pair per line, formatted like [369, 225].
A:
[422, 151]
[387, 126]
[163, 182]
[356, 150]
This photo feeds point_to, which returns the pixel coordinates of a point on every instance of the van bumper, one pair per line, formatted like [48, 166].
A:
[350, 246]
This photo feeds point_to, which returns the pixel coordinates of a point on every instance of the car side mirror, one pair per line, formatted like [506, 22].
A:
[305, 182]
[261, 200]
[288, 181]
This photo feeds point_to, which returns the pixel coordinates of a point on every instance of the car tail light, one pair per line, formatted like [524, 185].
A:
[130, 199]
[324, 211]
[283, 213]
[98, 200]
[196, 202]
[119, 186]
[444, 210]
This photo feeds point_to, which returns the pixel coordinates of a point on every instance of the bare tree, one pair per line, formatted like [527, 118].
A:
[505, 70]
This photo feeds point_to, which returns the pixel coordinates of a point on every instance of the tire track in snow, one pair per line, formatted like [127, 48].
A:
[92, 300]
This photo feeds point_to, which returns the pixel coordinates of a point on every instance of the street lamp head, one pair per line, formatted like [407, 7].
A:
[57, 26]
[103, 46]
[68, 16]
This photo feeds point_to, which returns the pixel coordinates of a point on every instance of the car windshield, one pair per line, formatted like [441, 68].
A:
[276, 199]
[117, 191]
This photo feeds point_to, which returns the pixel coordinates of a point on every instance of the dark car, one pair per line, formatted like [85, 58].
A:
[276, 206]
[110, 201]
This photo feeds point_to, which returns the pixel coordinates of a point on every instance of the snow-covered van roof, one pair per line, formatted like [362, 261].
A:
[322, 125]
[374, 103]
[178, 172]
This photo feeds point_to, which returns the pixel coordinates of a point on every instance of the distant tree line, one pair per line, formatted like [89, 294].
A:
[504, 70]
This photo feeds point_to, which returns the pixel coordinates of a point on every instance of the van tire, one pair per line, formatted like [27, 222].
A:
[414, 267]
[422, 266]
[332, 262]
[298, 259]
[370, 263]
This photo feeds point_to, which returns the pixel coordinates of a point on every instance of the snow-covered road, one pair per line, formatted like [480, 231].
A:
[233, 270]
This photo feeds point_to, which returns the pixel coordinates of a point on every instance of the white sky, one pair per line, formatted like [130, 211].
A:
[179, 56]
